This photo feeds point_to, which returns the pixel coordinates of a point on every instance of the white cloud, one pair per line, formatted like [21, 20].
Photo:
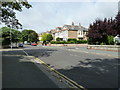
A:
[48, 15]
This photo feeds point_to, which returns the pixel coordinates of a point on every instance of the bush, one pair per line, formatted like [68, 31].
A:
[58, 42]
[72, 39]
[70, 42]
[110, 40]
[102, 43]
[53, 42]
[5, 41]
[81, 41]
[58, 39]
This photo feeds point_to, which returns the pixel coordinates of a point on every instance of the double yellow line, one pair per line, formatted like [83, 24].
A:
[70, 82]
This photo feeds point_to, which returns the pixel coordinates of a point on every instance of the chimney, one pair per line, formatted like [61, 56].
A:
[72, 23]
[79, 25]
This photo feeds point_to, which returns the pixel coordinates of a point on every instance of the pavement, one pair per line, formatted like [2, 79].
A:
[20, 71]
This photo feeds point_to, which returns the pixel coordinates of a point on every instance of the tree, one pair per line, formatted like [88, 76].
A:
[15, 35]
[117, 24]
[49, 37]
[7, 12]
[101, 31]
[44, 39]
[29, 36]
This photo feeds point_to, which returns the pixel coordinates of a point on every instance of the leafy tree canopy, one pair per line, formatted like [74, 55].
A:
[49, 37]
[100, 30]
[7, 12]
[30, 36]
[15, 35]
[44, 37]
[117, 19]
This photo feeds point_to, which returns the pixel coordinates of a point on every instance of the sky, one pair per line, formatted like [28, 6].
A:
[49, 14]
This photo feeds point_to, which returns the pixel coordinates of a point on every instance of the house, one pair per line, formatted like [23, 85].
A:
[52, 32]
[71, 31]
[68, 31]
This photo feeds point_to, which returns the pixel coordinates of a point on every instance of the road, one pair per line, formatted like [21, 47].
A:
[20, 71]
[91, 69]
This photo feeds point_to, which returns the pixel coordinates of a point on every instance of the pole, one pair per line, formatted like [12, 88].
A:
[10, 39]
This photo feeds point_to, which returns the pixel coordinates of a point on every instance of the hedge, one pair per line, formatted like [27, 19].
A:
[81, 41]
[69, 42]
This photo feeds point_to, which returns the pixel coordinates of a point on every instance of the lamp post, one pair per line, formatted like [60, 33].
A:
[10, 39]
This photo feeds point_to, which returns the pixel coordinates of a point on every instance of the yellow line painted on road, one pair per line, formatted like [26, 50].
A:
[69, 81]
[73, 83]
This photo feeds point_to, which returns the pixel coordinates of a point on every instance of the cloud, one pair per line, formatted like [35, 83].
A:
[48, 15]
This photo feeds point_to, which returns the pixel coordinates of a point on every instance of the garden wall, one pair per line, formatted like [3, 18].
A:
[105, 47]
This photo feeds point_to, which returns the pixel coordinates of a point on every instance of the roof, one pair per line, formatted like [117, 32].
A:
[76, 27]
[69, 27]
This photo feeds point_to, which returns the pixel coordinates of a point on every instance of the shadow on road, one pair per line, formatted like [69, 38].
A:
[15, 52]
[40, 52]
[20, 72]
[97, 73]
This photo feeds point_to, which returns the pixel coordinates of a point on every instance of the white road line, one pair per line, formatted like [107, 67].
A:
[25, 53]
[95, 53]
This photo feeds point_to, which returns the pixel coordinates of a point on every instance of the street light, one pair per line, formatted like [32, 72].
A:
[10, 39]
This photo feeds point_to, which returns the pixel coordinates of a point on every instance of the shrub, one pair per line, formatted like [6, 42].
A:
[58, 39]
[81, 41]
[53, 42]
[102, 43]
[70, 42]
[110, 40]
[72, 39]
[58, 42]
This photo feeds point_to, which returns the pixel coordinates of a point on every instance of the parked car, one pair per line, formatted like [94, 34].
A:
[20, 45]
[34, 44]
[28, 43]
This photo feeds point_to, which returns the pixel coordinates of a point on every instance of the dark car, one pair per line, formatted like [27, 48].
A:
[20, 45]
[34, 44]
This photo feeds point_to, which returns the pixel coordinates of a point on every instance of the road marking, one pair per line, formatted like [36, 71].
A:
[25, 53]
[94, 53]
[10, 49]
[13, 55]
[69, 81]
[61, 76]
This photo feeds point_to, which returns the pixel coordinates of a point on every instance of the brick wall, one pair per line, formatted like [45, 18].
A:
[72, 34]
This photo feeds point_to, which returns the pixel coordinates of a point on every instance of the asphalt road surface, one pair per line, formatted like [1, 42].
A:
[91, 70]
[21, 72]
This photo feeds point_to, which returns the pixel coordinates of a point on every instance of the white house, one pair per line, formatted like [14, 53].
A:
[71, 31]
